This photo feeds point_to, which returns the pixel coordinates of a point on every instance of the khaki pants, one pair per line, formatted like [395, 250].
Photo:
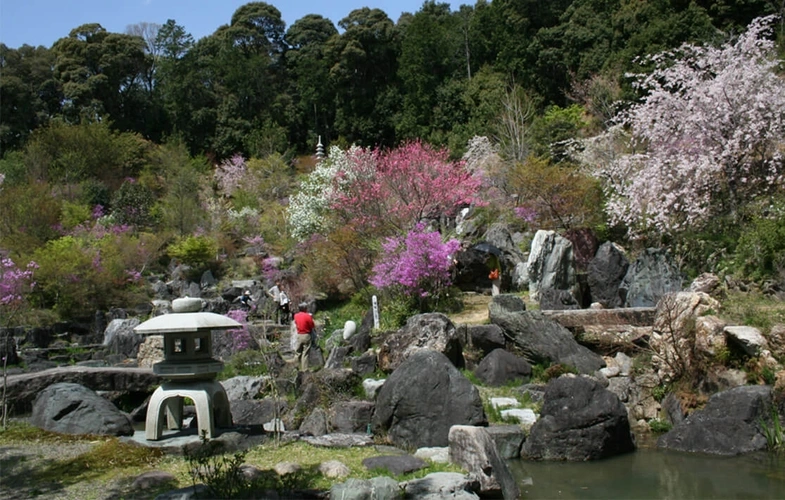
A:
[301, 347]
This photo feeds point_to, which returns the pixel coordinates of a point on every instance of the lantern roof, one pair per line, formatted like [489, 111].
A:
[186, 321]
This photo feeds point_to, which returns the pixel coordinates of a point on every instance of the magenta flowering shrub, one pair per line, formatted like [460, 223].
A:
[418, 265]
[241, 337]
[15, 282]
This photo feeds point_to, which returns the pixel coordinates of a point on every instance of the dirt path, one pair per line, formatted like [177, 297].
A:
[475, 310]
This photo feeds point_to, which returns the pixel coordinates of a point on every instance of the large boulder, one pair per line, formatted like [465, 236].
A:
[486, 338]
[423, 398]
[431, 331]
[649, 278]
[728, 425]
[605, 273]
[580, 420]
[75, 409]
[120, 337]
[551, 264]
[500, 367]
[543, 339]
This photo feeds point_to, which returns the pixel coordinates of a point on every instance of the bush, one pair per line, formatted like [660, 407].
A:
[199, 252]
[658, 426]
[760, 252]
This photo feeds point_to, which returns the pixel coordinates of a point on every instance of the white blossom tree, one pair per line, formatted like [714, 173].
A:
[707, 136]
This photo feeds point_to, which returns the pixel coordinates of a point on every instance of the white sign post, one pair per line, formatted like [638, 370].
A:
[375, 312]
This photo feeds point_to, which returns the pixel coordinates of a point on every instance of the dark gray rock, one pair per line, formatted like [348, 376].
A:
[315, 424]
[557, 300]
[422, 399]
[580, 420]
[649, 278]
[543, 339]
[364, 364]
[728, 425]
[671, 407]
[500, 367]
[75, 409]
[430, 331]
[337, 358]
[395, 464]
[351, 416]
[360, 341]
[605, 274]
[257, 412]
[486, 338]
[8, 354]
[508, 303]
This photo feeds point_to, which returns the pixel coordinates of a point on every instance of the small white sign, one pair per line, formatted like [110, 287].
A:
[375, 312]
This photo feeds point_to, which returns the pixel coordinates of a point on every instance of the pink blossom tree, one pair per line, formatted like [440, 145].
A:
[229, 174]
[707, 136]
[391, 191]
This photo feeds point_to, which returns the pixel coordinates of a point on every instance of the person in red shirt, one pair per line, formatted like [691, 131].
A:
[305, 325]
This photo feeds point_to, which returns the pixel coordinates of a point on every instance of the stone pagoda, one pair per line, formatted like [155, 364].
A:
[188, 369]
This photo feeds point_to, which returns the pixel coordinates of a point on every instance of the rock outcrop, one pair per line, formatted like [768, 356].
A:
[580, 420]
[423, 398]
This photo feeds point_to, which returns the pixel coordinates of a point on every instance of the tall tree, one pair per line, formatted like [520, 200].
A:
[309, 79]
[364, 74]
[100, 74]
[432, 50]
[29, 93]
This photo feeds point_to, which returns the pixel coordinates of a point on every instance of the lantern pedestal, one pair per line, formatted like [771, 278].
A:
[209, 397]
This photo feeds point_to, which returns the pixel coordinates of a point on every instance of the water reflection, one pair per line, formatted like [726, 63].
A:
[655, 474]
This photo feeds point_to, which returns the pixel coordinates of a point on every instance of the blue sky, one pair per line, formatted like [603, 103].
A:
[42, 22]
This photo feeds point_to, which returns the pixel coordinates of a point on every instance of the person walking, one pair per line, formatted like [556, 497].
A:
[305, 326]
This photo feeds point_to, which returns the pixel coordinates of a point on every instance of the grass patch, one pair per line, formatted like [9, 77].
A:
[753, 309]
[110, 457]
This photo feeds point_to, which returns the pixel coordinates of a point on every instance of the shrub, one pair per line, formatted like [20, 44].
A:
[658, 426]
[199, 252]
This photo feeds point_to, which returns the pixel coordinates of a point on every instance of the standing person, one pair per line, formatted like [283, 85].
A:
[305, 326]
[278, 296]
[283, 307]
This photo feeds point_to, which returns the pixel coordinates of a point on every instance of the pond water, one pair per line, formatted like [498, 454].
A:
[655, 474]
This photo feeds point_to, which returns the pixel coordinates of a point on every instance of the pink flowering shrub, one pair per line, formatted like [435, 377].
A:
[15, 285]
[241, 337]
[418, 265]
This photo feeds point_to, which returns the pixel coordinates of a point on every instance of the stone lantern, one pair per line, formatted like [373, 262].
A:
[188, 369]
